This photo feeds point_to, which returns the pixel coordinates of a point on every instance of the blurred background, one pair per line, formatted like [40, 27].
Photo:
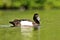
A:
[30, 4]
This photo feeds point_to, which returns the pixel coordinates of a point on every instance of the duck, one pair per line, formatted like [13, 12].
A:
[27, 22]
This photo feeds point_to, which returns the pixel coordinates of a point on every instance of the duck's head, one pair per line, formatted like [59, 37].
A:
[36, 18]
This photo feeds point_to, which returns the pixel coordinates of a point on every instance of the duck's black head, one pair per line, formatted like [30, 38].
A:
[35, 18]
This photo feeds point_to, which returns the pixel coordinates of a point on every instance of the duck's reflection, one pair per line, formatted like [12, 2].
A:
[26, 32]
[29, 34]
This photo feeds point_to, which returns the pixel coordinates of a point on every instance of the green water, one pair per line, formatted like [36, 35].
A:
[14, 33]
[49, 30]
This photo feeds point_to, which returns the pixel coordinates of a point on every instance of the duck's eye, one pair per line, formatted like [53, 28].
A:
[36, 16]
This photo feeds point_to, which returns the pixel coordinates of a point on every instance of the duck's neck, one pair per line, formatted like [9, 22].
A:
[37, 20]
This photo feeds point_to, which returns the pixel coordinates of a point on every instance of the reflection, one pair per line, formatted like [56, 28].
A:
[36, 35]
[29, 34]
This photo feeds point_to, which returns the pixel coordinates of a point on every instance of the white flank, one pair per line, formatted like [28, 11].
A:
[26, 23]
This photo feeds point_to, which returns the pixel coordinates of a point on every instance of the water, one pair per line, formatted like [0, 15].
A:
[29, 34]
[5, 25]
